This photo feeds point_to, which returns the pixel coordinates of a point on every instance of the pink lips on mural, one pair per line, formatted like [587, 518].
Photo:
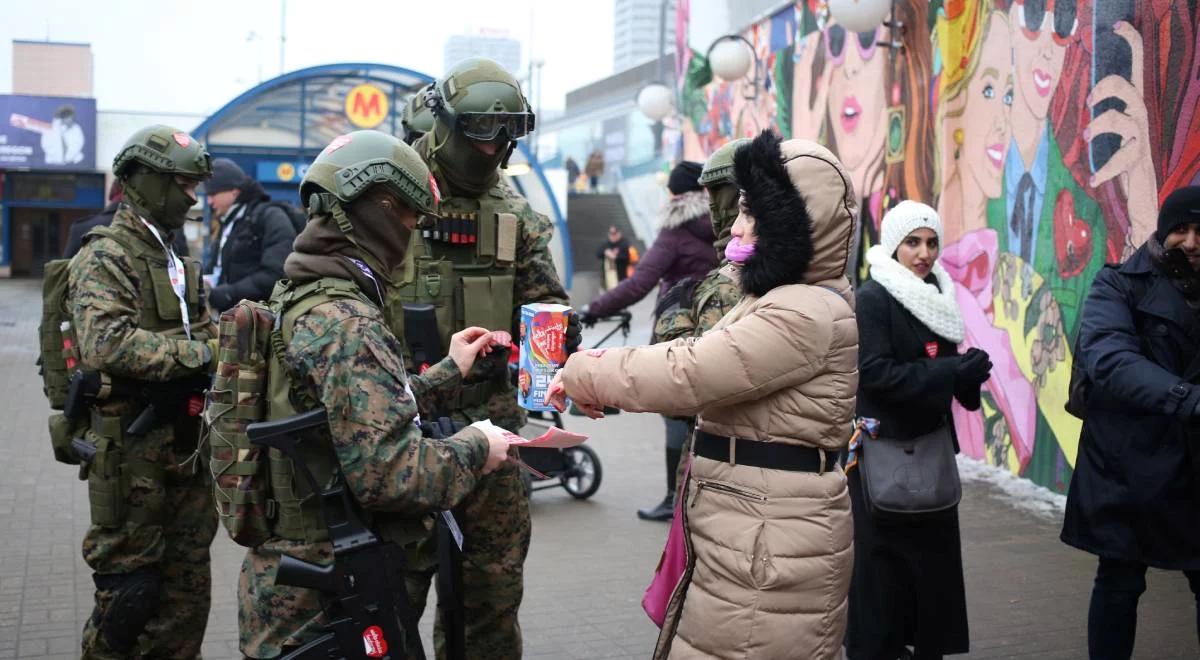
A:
[995, 153]
[1041, 80]
[851, 113]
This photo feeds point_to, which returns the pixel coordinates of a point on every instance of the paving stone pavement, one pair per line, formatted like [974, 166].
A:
[587, 569]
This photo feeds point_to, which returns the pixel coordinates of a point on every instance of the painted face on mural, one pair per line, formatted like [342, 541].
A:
[1041, 30]
[989, 98]
[857, 104]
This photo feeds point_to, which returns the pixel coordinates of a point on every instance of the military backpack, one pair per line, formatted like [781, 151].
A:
[255, 489]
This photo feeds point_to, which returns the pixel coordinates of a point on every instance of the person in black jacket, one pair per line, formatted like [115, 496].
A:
[1134, 499]
[255, 238]
[615, 254]
[103, 219]
[907, 588]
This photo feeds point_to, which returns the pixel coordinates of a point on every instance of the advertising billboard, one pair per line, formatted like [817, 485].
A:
[47, 132]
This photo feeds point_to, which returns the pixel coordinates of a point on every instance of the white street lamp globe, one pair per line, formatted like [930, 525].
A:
[730, 59]
[860, 15]
[654, 100]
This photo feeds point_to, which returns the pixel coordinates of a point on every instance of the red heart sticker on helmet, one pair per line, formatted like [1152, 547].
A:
[374, 643]
[338, 142]
[182, 139]
[437, 194]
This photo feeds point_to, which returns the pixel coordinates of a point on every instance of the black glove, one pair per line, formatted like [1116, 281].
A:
[220, 299]
[585, 317]
[974, 366]
[574, 334]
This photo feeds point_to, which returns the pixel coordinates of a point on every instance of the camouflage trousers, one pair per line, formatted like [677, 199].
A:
[174, 548]
[496, 531]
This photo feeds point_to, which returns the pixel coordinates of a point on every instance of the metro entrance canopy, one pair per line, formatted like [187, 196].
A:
[275, 129]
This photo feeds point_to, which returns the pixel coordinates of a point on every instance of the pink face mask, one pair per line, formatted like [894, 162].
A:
[738, 252]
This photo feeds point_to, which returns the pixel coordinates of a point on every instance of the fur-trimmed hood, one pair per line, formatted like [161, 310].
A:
[682, 208]
[803, 205]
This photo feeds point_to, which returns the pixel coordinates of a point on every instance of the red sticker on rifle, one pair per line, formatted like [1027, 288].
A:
[931, 348]
[374, 645]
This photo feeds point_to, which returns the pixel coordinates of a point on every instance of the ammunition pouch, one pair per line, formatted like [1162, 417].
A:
[111, 473]
[64, 430]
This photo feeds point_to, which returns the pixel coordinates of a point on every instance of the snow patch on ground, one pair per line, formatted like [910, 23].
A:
[1020, 493]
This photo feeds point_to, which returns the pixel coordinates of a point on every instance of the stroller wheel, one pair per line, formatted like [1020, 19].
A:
[582, 475]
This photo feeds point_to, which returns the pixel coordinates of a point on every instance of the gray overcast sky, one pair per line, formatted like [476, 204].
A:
[181, 56]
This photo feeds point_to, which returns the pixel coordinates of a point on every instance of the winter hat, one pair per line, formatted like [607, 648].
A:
[903, 219]
[685, 177]
[226, 176]
[1182, 207]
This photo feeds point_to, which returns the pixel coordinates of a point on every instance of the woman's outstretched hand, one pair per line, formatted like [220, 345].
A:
[556, 395]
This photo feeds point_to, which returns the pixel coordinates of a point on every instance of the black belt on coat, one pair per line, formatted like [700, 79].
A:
[770, 455]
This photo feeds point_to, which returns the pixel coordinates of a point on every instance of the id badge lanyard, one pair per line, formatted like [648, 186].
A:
[177, 275]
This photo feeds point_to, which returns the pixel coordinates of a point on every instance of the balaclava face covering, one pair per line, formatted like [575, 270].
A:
[723, 209]
[160, 196]
[380, 241]
[466, 169]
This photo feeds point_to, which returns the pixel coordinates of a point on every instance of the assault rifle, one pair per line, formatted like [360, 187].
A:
[449, 557]
[363, 592]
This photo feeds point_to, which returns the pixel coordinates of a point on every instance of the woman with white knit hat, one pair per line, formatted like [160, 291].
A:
[907, 588]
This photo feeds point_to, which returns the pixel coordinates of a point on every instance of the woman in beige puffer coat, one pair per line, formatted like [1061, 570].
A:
[766, 511]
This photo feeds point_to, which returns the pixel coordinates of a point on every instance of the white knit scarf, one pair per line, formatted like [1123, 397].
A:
[938, 310]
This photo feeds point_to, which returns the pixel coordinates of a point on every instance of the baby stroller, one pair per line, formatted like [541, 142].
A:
[576, 469]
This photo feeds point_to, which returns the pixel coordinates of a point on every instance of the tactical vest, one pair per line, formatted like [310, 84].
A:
[159, 306]
[464, 264]
[293, 509]
[112, 468]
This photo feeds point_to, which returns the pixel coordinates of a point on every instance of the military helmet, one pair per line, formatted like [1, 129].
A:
[165, 150]
[718, 168]
[415, 117]
[480, 98]
[356, 161]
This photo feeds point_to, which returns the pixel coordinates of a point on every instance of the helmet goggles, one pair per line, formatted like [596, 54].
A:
[487, 126]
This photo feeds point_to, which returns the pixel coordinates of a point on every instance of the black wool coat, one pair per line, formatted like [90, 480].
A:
[907, 587]
[1135, 492]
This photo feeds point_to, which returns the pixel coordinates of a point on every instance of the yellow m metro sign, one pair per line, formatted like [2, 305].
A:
[366, 106]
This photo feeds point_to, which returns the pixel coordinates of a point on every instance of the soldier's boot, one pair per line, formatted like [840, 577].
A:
[665, 510]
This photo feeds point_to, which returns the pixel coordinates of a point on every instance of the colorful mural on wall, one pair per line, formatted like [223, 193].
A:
[1045, 132]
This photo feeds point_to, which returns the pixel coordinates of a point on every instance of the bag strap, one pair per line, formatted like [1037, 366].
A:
[296, 301]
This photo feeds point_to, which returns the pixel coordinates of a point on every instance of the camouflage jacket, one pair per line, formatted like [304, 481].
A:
[712, 298]
[110, 302]
[342, 355]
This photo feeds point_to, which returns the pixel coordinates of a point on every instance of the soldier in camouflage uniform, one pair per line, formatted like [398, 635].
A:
[716, 294]
[479, 112]
[140, 317]
[364, 194]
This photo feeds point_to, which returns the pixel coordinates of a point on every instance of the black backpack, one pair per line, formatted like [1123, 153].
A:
[297, 216]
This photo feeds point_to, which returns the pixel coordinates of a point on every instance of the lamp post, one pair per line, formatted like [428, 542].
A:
[730, 57]
[656, 100]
